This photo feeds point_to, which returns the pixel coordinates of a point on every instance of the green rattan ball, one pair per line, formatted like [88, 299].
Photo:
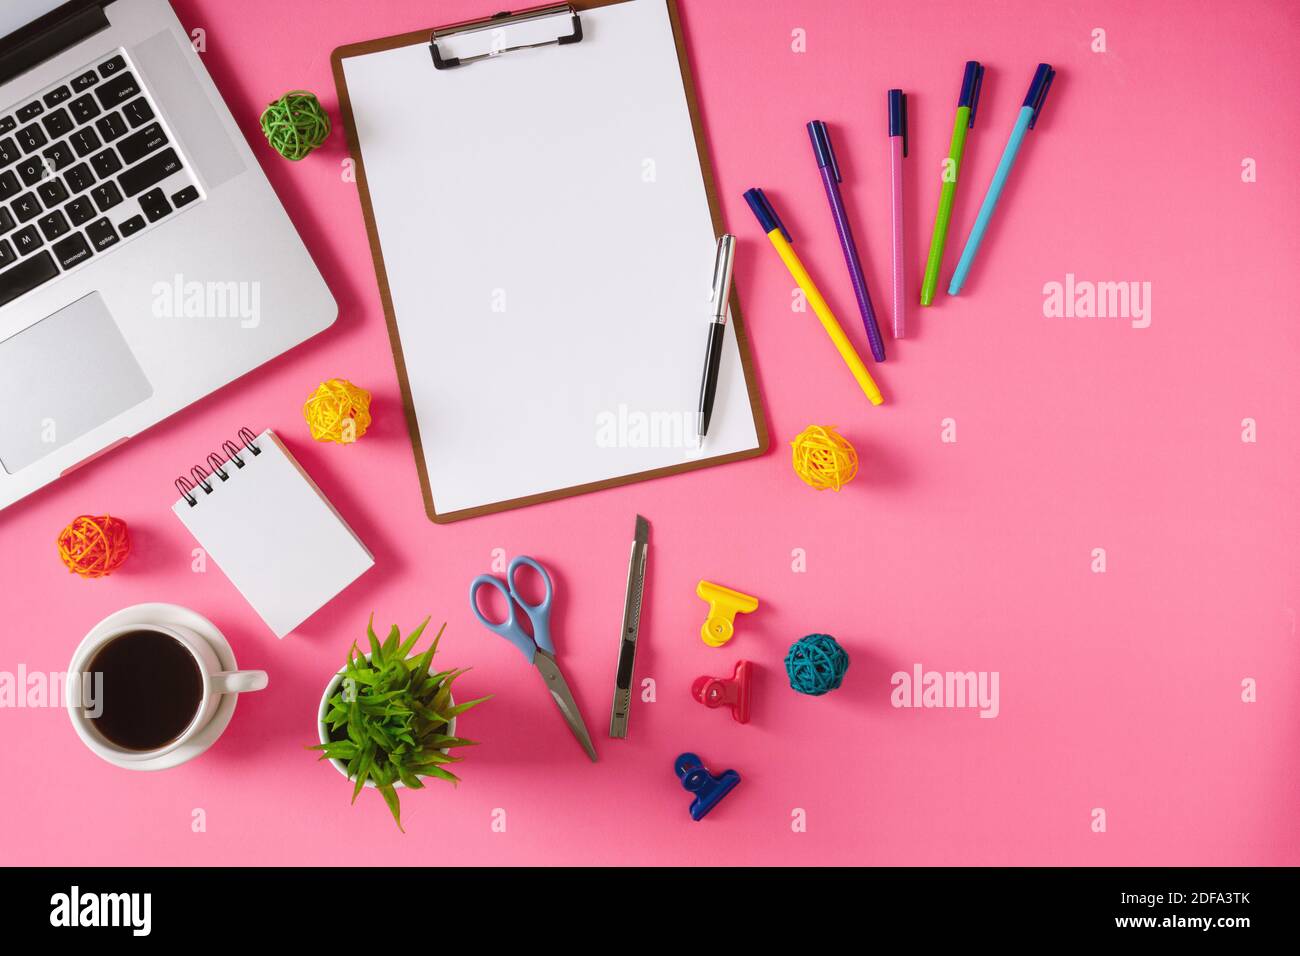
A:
[295, 124]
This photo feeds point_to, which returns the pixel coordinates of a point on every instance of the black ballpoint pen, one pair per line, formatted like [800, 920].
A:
[722, 266]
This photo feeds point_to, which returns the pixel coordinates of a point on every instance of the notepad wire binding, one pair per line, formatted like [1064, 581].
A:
[217, 467]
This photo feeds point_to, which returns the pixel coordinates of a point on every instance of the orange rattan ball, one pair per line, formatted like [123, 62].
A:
[94, 547]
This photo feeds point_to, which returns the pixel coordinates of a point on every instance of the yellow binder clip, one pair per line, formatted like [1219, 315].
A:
[724, 605]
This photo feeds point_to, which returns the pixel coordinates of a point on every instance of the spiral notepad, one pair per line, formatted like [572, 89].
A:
[267, 526]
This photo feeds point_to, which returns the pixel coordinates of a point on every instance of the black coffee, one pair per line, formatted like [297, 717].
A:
[151, 689]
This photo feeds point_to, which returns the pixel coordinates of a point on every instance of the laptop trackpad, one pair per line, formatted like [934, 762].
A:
[67, 374]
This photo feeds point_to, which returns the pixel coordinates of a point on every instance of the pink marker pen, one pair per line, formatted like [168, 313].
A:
[897, 151]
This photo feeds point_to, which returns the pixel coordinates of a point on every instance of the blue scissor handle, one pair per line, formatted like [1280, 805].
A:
[539, 615]
[509, 628]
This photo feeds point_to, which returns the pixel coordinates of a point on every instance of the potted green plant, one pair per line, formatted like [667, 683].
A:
[387, 720]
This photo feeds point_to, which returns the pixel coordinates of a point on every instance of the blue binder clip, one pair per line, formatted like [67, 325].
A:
[708, 789]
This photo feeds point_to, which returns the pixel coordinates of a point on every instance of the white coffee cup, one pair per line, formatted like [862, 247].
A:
[216, 682]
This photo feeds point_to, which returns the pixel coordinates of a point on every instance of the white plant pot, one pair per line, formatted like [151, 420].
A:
[323, 731]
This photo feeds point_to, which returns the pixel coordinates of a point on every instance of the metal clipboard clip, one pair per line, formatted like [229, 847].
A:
[496, 22]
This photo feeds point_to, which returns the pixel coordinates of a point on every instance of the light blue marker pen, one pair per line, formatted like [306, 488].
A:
[1024, 122]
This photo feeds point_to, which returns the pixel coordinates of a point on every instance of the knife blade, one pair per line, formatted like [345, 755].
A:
[636, 566]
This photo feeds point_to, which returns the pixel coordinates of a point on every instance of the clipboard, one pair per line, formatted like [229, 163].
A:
[463, 470]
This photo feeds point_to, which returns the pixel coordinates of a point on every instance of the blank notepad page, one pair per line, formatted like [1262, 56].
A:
[275, 535]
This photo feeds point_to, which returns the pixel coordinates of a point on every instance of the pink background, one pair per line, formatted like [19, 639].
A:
[1119, 690]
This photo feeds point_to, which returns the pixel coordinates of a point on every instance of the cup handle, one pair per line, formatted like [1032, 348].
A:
[238, 682]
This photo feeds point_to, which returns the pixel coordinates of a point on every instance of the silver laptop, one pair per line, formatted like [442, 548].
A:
[144, 259]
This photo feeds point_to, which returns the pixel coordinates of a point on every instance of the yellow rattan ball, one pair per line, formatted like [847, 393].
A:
[338, 411]
[823, 458]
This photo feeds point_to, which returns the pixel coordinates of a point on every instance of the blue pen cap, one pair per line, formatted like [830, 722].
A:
[972, 81]
[763, 211]
[1037, 94]
[822, 149]
[898, 116]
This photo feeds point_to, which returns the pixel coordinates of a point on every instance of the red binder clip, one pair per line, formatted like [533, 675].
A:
[734, 691]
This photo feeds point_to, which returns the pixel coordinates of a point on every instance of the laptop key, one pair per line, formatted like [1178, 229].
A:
[6, 220]
[27, 240]
[57, 123]
[80, 210]
[54, 225]
[8, 124]
[111, 126]
[79, 178]
[84, 108]
[57, 95]
[85, 81]
[8, 151]
[7, 254]
[109, 67]
[52, 192]
[150, 172]
[132, 225]
[106, 196]
[31, 137]
[9, 185]
[26, 207]
[155, 204]
[138, 111]
[101, 234]
[26, 276]
[141, 143]
[24, 113]
[84, 141]
[106, 163]
[117, 90]
[184, 196]
[71, 250]
[32, 170]
[60, 156]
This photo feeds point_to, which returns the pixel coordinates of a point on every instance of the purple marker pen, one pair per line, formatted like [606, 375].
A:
[830, 170]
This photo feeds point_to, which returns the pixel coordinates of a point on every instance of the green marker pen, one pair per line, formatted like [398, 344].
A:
[971, 82]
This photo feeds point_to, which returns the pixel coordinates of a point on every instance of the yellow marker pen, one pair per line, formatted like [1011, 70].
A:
[776, 232]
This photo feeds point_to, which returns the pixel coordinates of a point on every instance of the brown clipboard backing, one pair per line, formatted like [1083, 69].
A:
[372, 231]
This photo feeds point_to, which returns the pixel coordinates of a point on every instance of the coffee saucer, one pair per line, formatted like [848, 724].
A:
[142, 615]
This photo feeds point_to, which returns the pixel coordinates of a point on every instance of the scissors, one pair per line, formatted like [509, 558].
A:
[539, 649]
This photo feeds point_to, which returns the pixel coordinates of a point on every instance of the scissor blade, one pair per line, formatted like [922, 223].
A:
[559, 689]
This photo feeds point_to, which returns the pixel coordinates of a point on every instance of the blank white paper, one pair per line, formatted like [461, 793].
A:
[549, 251]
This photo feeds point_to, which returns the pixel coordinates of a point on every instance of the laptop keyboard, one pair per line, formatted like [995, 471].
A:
[84, 165]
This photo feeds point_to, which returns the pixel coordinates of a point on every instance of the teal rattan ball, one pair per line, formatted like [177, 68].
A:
[816, 664]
